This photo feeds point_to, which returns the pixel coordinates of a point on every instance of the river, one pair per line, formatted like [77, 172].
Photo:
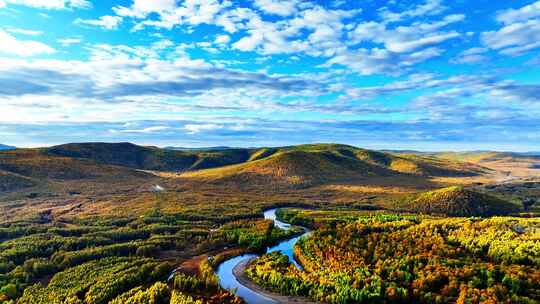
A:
[227, 279]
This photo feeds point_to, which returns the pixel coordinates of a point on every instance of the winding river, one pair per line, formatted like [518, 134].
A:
[227, 278]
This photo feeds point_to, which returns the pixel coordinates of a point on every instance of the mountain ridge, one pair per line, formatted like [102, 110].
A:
[285, 167]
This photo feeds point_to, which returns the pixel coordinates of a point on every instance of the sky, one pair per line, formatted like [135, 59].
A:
[424, 74]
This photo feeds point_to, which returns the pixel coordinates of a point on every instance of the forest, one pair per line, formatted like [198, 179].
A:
[389, 258]
[121, 261]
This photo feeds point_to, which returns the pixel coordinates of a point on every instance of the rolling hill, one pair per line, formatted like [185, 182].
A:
[33, 163]
[149, 158]
[31, 171]
[459, 201]
[270, 168]
[297, 160]
[306, 165]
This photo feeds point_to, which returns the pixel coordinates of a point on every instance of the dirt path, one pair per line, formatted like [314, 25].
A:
[239, 273]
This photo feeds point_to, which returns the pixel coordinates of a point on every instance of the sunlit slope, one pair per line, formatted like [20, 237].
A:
[32, 163]
[31, 173]
[321, 163]
[458, 201]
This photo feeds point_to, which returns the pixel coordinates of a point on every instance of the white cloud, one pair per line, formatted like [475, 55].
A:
[514, 39]
[520, 32]
[69, 41]
[398, 47]
[191, 12]
[162, 44]
[416, 82]
[474, 51]
[147, 130]
[325, 28]
[249, 43]
[518, 15]
[197, 128]
[25, 32]
[141, 8]
[233, 20]
[222, 39]
[106, 22]
[50, 4]
[471, 56]
[403, 45]
[128, 83]
[469, 59]
[404, 39]
[25, 48]
[277, 7]
[378, 61]
[429, 8]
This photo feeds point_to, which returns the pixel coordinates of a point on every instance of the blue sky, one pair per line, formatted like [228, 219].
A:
[427, 75]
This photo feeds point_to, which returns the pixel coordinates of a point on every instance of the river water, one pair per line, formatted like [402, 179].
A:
[227, 279]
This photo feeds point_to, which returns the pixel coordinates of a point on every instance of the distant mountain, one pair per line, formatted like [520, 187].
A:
[5, 147]
[530, 153]
[218, 148]
[476, 157]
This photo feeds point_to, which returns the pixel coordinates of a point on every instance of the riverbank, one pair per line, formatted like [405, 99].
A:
[250, 292]
[240, 275]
